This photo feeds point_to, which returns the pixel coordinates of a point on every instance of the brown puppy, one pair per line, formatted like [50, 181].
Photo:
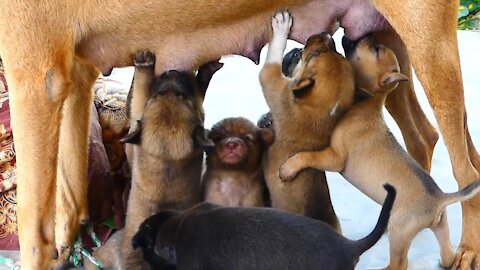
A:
[364, 151]
[167, 163]
[51, 52]
[234, 173]
[305, 108]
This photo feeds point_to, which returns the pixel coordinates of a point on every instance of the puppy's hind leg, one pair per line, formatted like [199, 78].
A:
[71, 196]
[400, 235]
[442, 234]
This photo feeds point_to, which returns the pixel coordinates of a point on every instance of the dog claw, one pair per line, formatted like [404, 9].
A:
[466, 260]
[144, 59]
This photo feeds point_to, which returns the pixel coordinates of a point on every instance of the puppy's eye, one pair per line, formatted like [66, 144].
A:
[249, 138]
[377, 49]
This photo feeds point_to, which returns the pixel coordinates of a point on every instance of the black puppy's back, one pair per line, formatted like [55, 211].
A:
[212, 237]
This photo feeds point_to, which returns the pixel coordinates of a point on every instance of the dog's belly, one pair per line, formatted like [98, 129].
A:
[207, 36]
[358, 17]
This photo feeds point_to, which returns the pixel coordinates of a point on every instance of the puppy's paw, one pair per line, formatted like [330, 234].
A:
[144, 59]
[281, 24]
[289, 170]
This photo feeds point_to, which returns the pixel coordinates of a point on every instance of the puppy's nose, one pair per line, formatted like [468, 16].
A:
[231, 145]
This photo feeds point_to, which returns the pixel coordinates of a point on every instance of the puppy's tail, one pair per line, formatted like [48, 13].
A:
[461, 195]
[364, 244]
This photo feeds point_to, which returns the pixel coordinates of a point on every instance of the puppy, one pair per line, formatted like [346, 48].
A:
[169, 143]
[364, 151]
[212, 237]
[305, 108]
[234, 173]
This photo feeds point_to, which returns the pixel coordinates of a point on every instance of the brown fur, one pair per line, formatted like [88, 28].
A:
[234, 173]
[168, 151]
[366, 153]
[324, 80]
[41, 42]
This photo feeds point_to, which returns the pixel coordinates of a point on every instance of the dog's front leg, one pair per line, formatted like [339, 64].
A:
[325, 160]
[71, 196]
[431, 43]
[37, 94]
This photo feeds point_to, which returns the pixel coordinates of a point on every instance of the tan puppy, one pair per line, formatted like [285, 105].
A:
[167, 163]
[234, 173]
[364, 151]
[51, 52]
[305, 109]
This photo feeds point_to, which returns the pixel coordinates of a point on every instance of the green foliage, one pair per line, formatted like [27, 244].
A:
[469, 14]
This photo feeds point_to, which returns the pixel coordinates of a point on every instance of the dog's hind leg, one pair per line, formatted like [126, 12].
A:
[442, 234]
[431, 41]
[71, 196]
[419, 134]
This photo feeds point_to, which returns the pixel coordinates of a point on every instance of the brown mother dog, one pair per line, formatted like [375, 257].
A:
[50, 51]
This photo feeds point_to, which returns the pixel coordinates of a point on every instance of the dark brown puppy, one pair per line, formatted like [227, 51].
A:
[305, 108]
[234, 174]
[212, 237]
[169, 143]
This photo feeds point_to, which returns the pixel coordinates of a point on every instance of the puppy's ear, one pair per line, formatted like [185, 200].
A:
[303, 87]
[200, 137]
[134, 136]
[205, 74]
[391, 78]
[267, 136]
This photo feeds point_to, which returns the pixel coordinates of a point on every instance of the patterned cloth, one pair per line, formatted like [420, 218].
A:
[8, 177]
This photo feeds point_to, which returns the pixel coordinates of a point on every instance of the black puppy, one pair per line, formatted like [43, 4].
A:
[289, 63]
[213, 237]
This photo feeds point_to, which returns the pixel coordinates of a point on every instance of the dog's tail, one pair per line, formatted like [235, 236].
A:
[461, 195]
[364, 244]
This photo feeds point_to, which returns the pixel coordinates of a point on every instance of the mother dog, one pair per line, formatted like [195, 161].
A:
[52, 49]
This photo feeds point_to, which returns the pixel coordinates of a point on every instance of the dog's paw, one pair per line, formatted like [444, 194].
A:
[466, 259]
[288, 170]
[281, 24]
[144, 59]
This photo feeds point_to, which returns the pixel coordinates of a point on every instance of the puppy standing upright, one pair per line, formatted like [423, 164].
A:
[305, 109]
[234, 174]
[167, 162]
[364, 151]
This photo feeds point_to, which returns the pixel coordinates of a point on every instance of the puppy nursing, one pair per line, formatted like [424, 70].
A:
[305, 109]
[228, 238]
[170, 140]
[234, 174]
[364, 151]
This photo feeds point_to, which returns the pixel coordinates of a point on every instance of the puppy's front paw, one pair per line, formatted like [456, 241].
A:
[289, 169]
[144, 59]
[281, 24]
